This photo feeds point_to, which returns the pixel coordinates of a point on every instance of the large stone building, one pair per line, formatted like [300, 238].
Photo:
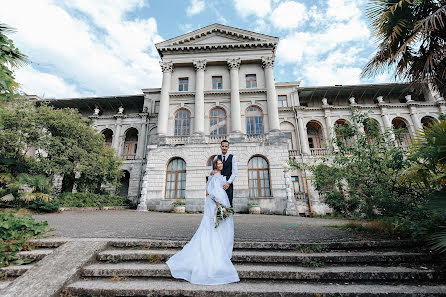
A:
[218, 83]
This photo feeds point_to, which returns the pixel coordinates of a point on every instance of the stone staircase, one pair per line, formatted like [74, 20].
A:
[357, 268]
[42, 249]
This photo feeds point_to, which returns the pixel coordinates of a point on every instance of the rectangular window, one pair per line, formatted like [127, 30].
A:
[217, 82]
[289, 138]
[157, 107]
[296, 184]
[251, 81]
[282, 102]
[183, 84]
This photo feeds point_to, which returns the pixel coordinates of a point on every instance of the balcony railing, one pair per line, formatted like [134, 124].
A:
[255, 137]
[319, 151]
[177, 139]
[300, 196]
[216, 138]
[128, 156]
[293, 153]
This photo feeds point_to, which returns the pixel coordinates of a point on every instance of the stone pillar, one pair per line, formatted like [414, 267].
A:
[303, 137]
[290, 209]
[414, 115]
[273, 112]
[117, 137]
[236, 119]
[200, 66]
[385, 118]
[328, 125]
[163, 116]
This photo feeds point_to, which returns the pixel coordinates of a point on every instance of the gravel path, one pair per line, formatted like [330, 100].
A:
[157, 225]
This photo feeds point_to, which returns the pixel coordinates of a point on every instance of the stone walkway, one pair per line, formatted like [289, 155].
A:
[157, 225]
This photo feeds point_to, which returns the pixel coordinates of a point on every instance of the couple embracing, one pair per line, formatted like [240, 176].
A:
[206, 259]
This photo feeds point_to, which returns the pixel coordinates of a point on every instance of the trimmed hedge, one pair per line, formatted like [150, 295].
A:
[91, 200]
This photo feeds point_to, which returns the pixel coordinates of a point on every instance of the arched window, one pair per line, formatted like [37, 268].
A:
[427, 121]
[176, 179]
[258, 177]
[217, 121]
[182, 123]
[130, 144]
[371, 130]
[401, 132]
[108, 135]
[254, 121]
[209, 162]
[314, 134]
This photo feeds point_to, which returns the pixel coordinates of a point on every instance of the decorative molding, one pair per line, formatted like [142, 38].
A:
[199, 65]
[166, 66]
[234, 63]
[268, 62]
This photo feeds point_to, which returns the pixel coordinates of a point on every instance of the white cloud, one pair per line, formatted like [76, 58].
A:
[324, 74]
[288, 15]
[195, 7]
[119, 60]
[42, 84]
[343, 9]
[259, 8]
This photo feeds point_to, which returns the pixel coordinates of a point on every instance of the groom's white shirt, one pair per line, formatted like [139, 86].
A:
[234, 166]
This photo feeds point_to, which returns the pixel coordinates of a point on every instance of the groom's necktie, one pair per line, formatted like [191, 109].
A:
[224, 159]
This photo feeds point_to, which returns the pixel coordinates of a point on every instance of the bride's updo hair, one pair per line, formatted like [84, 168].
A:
[214, 164]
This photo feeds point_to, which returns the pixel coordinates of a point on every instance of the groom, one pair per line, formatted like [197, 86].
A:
[229, 168]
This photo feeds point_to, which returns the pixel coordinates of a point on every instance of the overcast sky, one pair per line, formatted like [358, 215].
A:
[106, 47]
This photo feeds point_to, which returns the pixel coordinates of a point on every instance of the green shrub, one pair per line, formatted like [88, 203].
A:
[91, 200]
[179, 203]
[40, 205]
[15, 233]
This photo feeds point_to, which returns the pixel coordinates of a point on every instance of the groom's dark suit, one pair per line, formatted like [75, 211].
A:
[227, 172]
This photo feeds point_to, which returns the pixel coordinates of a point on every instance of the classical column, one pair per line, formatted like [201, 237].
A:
[236, 119]
[117, 136]
[303, 136]
[200, 66]
[413, 114]
[328, 125]
[385, 118]
[273, 112]
[163, 116]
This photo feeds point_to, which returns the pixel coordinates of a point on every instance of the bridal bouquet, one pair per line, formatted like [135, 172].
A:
[222, 213]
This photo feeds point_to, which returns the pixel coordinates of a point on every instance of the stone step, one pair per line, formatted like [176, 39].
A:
[342, 245]
[244, 288]
[273, 272]
[4, 283]
[14, 270]
[273, 257]
[35, 255]
[49, 242]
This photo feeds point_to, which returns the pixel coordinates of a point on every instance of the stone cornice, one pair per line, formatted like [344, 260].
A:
[181, 94]
[252, 91]
[218, 46]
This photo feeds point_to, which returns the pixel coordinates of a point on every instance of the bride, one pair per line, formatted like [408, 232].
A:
[206, 259]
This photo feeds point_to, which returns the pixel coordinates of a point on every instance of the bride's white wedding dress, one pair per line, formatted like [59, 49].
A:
[206, 259]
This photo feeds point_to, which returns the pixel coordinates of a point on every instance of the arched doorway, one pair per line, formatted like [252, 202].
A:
[130, 144]
[401, 132]
[125, 182]
[427, 121]
[108, 136]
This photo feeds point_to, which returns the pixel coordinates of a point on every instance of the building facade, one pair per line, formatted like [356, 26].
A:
[218, 83]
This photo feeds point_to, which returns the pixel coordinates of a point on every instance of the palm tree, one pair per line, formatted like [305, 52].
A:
[10, 58]
[412, 40]
[429, 150]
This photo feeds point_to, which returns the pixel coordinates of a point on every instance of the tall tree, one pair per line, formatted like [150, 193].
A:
[10, 59]
[412, 40]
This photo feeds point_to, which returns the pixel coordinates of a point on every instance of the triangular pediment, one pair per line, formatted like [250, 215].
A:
[216, 34]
